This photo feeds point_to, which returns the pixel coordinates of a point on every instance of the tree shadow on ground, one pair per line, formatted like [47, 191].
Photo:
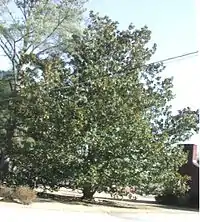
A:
[130, 200]
[6, 200]
[154, 204]
[46, 197]
[108, 202]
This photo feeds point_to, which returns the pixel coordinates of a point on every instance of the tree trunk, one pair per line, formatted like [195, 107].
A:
[10, 134]
[88, 193]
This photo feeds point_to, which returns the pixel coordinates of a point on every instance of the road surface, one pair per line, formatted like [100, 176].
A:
[22, 213]
[158, 217]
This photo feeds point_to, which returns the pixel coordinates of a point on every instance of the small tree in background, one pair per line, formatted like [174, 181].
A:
[41, 27]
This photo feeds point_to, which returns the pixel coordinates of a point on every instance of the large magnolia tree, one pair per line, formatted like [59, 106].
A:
[102, 117]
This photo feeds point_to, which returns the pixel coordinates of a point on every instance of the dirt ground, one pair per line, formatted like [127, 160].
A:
[69, 201]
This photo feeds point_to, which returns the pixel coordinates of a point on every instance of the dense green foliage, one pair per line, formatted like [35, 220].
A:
[40, 27]
[100, 118]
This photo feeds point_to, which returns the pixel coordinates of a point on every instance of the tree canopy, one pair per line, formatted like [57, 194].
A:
[100, 117]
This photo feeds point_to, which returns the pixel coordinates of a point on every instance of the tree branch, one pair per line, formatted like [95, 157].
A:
[4, 48]
[8, 52]
[18, 40]
[7, 36]
[56, 27]
[51, 47]
[13, 47]
[11, 15]
[22, 9]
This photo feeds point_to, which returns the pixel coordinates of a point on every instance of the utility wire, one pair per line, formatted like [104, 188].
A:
[175, 57]
[170, 58]
[146, 65]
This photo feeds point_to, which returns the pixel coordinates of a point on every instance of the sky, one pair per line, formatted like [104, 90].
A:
[174, 29]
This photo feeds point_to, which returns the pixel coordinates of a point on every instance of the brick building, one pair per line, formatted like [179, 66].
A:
[191, 168]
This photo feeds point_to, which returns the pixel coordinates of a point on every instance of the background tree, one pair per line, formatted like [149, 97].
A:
[38, 152]
[40, 27]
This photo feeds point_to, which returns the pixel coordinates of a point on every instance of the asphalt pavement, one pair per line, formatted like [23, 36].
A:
[28, 214]
[158, 217]
[21, 214]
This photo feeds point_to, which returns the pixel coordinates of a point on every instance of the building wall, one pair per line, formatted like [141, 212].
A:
[191, 169]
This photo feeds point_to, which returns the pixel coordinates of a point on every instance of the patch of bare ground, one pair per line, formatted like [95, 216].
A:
[71, 201]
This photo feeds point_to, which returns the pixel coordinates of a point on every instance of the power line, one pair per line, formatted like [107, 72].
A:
[146, 65]
[175, 57]
[152, 63]
[167, 59]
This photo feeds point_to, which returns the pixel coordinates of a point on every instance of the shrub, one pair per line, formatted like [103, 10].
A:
[168, 199]
[6, 192]
[173, 189]
[25, 195]
[193, 200]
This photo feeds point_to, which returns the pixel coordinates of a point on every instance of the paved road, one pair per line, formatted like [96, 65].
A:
[28, 214]
[158, 217]
[22, 214]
